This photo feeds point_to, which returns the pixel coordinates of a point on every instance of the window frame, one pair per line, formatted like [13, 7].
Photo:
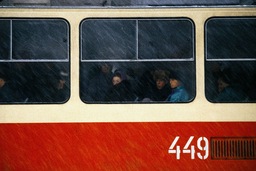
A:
[66, 60]
[207, 61]
[192, 59]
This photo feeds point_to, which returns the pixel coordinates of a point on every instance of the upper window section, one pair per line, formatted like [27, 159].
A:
[36, 36]
[34, 61]
[32, 40]
[137, 60]
[230, 39]
[167, 39]
[105, 39]
[230, 59]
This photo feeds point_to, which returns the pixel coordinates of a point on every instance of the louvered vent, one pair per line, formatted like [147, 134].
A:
[233, 148]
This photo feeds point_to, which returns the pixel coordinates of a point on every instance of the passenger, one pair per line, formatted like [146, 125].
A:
[100, 84]
[161, 90]
[121, 90]
[179, 93]
[61, 92]
[6, 93]
[229, 92]
[230, 82]
[116, 79]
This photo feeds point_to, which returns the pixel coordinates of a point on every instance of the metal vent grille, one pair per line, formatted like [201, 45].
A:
[233, 148]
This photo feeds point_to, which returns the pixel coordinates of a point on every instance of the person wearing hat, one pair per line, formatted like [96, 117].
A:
[121, 90]
[179, 93]
[60, 87]
[161, 89]
[228, 91]
[98, 84]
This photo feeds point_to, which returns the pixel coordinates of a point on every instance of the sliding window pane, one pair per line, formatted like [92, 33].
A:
[111, 39]
[40, 39]
[166, 39]
[4, 39]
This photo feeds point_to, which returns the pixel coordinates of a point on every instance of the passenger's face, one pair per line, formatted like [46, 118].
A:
[160, 84]
[61, 84]
[116, 80]
[105, 68]
[221, 85]
[174, 83]
[2, 82]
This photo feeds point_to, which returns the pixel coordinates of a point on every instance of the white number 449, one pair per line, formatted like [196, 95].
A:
[191, 150]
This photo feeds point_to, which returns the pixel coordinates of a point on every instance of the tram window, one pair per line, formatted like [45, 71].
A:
[35, 66]
[230, 59]
[132, 60]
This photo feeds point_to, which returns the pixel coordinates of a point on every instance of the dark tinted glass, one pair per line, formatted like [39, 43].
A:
[4, 39]
[165, 39]
[132, 60]
[231, 38]
[35, 39]
[230, 59]
[111, 39]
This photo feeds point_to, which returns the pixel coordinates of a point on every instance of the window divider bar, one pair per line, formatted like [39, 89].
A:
[237, 59]
[137, 39]
[139, 60]
[34, 60]
[10, 40]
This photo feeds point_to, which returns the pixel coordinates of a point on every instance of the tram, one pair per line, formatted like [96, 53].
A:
[127, 85]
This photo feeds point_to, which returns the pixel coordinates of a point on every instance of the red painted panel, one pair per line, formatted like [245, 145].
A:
[115, 146]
